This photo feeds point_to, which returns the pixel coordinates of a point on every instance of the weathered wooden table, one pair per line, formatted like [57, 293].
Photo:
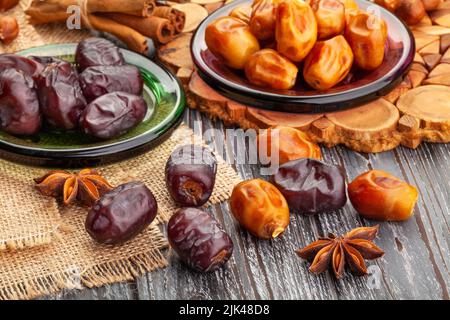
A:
[416, 264]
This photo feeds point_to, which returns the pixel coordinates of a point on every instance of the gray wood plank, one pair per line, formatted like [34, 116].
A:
[416, 263]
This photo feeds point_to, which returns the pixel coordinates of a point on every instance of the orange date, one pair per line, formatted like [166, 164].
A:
[328, 63]
[270, 69]
[288, 144]
[260, 208]
[367, 36]
[263, 19]
[230, 39]
[330, 16]
[242, 12]
[296, 29]
[379, 195]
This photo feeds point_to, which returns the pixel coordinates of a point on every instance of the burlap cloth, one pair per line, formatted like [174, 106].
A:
[44, 247]
[30, 36]
[61, 254]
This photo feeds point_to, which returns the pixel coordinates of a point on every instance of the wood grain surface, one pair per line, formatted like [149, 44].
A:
[416, 264]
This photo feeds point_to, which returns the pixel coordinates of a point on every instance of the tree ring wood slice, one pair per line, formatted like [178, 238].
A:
[430, 104]
[367, 122]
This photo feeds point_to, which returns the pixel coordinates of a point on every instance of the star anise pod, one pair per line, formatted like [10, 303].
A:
[87, 186]
[350, 249]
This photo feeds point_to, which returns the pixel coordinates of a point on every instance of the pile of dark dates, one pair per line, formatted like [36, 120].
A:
[199, 239]
[100, 96]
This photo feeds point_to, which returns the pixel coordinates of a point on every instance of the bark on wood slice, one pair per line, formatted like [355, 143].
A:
[184, 74]
[408, 123]
[202, 97]
[267, 119]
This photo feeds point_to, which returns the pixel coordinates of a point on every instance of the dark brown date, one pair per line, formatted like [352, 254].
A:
[28, 66]
[100, 80]
[113, 115]
[60, 95]
[97, 52]
[311, 186]
[19, 106]
[190, 175]
[122, 213]
[199, 239]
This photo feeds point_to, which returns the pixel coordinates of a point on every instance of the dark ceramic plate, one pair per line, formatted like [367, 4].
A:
[363, 87]
[165, 100]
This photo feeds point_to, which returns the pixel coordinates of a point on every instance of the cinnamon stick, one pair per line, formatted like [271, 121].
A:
[156, 28]
[41, 12]
[142, 8]
[133, 39]
[177, 17]
[146, 12]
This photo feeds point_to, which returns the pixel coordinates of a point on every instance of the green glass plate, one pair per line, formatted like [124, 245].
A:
[165, 100]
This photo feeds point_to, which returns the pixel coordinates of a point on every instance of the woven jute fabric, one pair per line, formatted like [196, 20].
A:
[44, 247]
[61, 254]
[31, 36]
[26, 217]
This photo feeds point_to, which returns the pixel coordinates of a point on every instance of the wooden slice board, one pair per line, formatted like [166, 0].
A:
[415, 111]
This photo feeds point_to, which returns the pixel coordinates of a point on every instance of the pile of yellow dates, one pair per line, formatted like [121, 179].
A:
[270, 39]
